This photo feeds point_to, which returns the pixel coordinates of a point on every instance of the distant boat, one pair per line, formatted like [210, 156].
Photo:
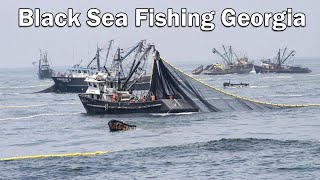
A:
[233, 64]
[198, 70]
[74, 81]
[44, 69]
[277, 65]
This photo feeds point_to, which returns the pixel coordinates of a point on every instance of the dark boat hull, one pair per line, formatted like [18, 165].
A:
[94, 106]
[234, 70]
[70, 84]
[198, 70]
[78, 84]
[292, 70]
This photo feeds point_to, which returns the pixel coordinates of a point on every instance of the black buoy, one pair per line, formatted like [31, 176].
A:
[115, 125]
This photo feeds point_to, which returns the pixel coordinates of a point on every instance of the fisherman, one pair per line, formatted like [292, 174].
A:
[114, 97]
[143, 99]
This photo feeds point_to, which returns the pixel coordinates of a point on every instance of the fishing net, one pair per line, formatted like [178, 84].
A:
[170, 82]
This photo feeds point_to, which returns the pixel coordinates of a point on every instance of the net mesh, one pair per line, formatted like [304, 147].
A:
[170, 81]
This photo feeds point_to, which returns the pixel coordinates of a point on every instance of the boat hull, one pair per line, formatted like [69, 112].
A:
[70, 84]
[234, 70]
[79, 85]
[291, 70]
[198, 70]
[94, 106]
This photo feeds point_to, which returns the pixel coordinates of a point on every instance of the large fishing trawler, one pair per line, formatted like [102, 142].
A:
[119, 93]
[278, 64]
[74, 81]
[232, 64]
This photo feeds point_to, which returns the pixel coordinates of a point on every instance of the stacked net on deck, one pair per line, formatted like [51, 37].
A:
[169, 81]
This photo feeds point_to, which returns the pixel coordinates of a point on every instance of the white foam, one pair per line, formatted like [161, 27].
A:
[34, 105]
[38, 115]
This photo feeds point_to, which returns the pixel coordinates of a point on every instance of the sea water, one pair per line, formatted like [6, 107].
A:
[276, 144]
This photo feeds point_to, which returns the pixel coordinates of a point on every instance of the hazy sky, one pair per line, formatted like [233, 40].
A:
[66, 46]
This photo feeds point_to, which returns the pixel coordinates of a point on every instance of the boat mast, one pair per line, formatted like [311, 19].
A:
[235, 54]
[40, 61]
[108, 51]
[228, 58]
[140, 45]
[214, 51]
[97, 57]
[278, 58]
[284, 52]
[118, 69]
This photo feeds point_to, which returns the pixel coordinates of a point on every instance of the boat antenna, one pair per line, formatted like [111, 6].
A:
[108, 51]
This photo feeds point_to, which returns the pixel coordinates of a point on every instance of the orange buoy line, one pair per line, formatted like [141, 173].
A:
[54, 156]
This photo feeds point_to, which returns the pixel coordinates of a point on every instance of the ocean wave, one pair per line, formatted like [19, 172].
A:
[34, 105]
[26, 87]
[259, 86]
[172, 114]
[39, 115]
[236, 145]
[287, 95]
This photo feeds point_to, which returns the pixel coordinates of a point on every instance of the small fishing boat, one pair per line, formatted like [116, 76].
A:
[44, 69]
[229, 84]
[115, 125]
[198, 70]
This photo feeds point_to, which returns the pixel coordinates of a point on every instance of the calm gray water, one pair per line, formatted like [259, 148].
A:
[279, 144]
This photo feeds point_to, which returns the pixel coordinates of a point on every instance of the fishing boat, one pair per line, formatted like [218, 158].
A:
[44, 69]
[74, 81]
[115, 95]
[233, 64]
[115, 125]
[278, 64]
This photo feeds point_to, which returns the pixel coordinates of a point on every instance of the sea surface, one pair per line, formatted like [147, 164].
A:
[276, 144]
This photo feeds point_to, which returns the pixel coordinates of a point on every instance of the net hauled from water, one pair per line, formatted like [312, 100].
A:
[167, 80]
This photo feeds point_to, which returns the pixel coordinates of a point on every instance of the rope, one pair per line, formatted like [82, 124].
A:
[54, 156]
[239, 97]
